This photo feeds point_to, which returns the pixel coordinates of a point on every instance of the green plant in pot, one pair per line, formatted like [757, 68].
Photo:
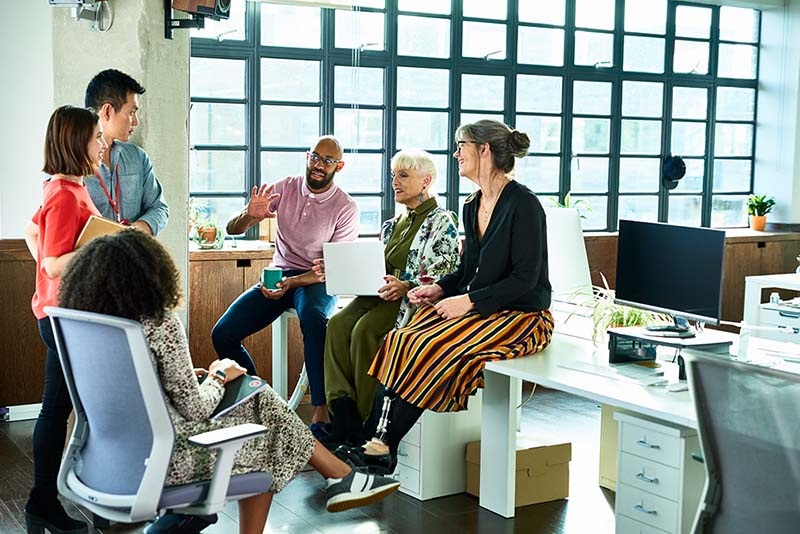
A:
[757, 208]
[577, 204]
[203, 228]
[607, 314]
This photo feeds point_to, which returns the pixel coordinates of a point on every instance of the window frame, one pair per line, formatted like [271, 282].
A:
[252, 51]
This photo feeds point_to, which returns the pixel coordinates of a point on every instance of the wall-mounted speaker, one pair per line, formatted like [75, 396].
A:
[215, 9]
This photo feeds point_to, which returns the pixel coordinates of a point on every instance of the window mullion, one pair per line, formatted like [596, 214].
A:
[708, 179]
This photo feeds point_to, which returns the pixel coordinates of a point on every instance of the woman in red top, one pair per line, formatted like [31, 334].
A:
[73, 147]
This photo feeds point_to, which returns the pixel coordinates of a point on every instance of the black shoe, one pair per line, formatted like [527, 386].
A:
[173, 523]
[41, 514]
[383, 464]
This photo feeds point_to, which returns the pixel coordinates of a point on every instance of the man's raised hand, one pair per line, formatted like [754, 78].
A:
[260, 199]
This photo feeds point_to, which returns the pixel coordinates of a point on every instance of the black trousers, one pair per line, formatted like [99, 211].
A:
[50, 431]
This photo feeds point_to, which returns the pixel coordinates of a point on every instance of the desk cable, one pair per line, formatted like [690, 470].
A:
[529, 397]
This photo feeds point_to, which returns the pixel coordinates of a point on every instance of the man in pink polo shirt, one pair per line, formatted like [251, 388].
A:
[311, 210]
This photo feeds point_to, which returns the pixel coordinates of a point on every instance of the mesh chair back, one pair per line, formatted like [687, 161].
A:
[107, 394]
[749, 421]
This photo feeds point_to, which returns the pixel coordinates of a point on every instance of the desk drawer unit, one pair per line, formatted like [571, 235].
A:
[647, 508]
[408, 455]
[658, 483]
[413, 436]
[409, 479]
[651, 444]
[780, 317]
[431, 457]
[630, 526]
[650, 476]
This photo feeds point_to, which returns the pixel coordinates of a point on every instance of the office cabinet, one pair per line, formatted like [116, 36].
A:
[22, 352]
[659, 485]
[750, 254]
[431, 459]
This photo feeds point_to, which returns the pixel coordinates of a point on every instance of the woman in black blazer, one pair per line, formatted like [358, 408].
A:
[494, 307]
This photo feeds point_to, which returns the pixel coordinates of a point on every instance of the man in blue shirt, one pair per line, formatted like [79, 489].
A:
[124, 188]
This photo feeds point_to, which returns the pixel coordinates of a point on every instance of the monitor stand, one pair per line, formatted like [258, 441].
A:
[679, 328]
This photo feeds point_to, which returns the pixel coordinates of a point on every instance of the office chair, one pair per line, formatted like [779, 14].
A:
[119, 453]
[749, 426]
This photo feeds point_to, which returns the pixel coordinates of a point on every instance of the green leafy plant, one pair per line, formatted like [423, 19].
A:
[607, 314]
[578, 204]
[203, 229]
[759, 204]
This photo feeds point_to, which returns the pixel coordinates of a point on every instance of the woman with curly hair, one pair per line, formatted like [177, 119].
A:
[73, 147]
[493, 307]
[131, 275]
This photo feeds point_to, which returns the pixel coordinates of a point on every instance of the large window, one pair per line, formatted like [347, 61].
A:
[605, 90]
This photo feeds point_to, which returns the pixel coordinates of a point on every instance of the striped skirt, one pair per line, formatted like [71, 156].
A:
[437, 363]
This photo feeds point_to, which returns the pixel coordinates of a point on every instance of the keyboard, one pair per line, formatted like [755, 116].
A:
[628, 373]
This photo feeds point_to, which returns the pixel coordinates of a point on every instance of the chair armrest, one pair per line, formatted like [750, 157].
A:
[223, 436]
[228, 441]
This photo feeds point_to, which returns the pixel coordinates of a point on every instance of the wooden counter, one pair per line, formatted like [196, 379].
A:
[22, 352]
[216, 279]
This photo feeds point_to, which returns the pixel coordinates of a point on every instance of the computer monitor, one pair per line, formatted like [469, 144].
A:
[676, 270]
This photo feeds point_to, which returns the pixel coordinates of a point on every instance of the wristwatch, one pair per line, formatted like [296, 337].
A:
[220, 376]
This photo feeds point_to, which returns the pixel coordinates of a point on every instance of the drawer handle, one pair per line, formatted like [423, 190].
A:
[791, 315]
[642, 509]
[651, 480]
[403, 454]
[643, 443]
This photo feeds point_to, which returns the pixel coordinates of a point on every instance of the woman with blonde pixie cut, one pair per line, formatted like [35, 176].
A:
[421, 246]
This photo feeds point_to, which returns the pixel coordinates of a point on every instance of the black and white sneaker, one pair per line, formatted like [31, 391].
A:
[357, 489]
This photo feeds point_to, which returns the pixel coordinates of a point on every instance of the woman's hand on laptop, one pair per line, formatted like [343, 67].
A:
[394, 289]
[426, 294]
[319, 268]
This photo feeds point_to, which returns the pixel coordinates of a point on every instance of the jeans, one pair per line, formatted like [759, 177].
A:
[50, 431]
[252, 312]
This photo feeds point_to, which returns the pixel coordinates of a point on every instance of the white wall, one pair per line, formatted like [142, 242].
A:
[777, 171]
[26, 101]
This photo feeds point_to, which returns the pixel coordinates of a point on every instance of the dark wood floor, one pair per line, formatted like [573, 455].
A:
[300, 508]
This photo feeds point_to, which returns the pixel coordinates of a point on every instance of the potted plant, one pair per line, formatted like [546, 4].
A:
[203, 228]
[577, 204]
[757, 207]
[607, 314]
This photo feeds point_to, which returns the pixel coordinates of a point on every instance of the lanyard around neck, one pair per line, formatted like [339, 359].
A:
[114, 205]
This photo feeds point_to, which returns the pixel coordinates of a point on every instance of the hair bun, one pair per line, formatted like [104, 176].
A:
[518, 143]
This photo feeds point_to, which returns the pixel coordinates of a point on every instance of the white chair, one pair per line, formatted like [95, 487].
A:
[280, 362]
[120, 450]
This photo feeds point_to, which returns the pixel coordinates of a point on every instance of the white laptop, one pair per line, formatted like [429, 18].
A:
[354, 267]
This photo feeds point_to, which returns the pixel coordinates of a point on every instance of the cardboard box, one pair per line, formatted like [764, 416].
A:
[542, 470]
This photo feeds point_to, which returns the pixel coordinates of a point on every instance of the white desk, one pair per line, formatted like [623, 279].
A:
[503, 380]
[754, 312]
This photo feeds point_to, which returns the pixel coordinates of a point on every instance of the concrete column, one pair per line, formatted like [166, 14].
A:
[135, 44]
